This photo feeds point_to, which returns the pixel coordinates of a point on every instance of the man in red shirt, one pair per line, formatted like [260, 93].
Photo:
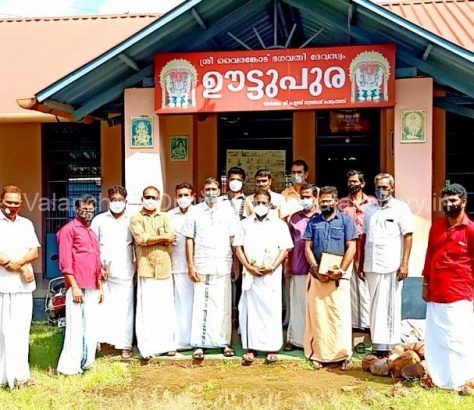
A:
[354, 206]
[448, 289]
[79, 261]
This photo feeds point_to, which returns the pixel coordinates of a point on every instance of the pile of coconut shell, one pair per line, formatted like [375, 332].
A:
[406, 361]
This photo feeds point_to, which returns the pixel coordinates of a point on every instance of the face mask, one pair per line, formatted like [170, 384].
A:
[184, 201]
[297, 178]
[353, 189]
[261, 210]
[452, 211]
[85, 216]
[150, 204]
[327, 210]
[382, 194]
[117, 207]
[211, 198]
[235, 185]
[13, 211]
[306, 203]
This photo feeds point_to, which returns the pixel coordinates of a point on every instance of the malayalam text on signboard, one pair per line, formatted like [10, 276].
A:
[287, 79]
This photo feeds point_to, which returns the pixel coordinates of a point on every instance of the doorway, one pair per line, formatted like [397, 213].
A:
[347, 139]
[254, 140]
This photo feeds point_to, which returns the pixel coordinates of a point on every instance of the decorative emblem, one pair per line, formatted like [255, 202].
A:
[369, 73]
[178, 84]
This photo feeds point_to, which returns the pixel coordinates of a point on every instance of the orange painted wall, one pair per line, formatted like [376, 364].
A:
[413, 163]
[176, 171]
[206, 144]
[111, 157]
[304, 140]
[20, 164]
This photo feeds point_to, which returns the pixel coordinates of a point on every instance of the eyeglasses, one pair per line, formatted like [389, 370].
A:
[86, 211]
[150, 197]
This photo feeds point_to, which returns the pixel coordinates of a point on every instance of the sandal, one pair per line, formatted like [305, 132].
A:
[271, 358]
[228, 352]
[346, 365]
[289, 347]
[198, 354]
[316, 365]
[126, 354]
[248, 357]
[360, 348]
[171, 353]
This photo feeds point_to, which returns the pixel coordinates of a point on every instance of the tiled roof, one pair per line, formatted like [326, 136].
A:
[41, 50]
[450, 19]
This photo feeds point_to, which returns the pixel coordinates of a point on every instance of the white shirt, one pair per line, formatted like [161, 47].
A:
[384, 229]
[115, 238]
[178, 257]
[16, 238]
[211, 229]
[263, 240]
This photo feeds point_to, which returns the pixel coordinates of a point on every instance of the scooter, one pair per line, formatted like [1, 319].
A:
[55, 302]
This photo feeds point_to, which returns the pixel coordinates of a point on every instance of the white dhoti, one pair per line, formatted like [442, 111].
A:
[80, 339]
[449, 342]
[116, 313]
[156, 317]
[183, 300]
[260, 312]
[297, 322]
[360, 302]
[212, 312]
[385, 309]
[16, 310]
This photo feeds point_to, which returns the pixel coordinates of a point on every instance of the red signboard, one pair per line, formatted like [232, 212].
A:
[286, 79]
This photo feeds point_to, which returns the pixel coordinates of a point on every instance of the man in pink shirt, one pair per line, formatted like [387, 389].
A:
[79, 261]
[354, 206]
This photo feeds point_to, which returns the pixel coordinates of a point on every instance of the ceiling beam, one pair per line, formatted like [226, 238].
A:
[111, 94]
[457, 109]
[128, 61]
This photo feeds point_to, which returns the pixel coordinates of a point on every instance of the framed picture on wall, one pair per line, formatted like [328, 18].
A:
[179, 148]
[141, 132]
[413, 126]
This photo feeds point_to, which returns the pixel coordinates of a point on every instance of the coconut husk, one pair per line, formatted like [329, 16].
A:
[380, 367]
[399, 350]
[413, 372]
[408, 357]
[367, 361]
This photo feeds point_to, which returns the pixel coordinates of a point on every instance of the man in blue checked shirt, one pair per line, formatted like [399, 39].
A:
[330, 235]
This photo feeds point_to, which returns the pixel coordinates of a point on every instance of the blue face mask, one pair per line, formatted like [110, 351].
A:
[382, 194]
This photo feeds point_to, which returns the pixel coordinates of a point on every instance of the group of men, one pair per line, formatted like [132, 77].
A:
[343, 262]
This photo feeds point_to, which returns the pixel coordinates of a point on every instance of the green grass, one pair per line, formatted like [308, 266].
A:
[222, 385]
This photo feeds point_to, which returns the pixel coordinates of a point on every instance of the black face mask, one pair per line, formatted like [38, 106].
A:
[452, 211]
[353, 189]
[327, 209]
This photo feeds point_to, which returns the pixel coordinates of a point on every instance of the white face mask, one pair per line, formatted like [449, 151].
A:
[306, 203]
[261, 210]
[150, 204]
[184, 201]
[117, 207]
[211, 198]
[297, 178]
[235, 185]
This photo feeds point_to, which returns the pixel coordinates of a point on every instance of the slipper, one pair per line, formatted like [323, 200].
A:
[248, 357]
[228, 352]
[171, 353]
[289, 347]
[346, 365]
[360, 348]
[198, 354]
[271, 358]
[126, 354]
[316, 365]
